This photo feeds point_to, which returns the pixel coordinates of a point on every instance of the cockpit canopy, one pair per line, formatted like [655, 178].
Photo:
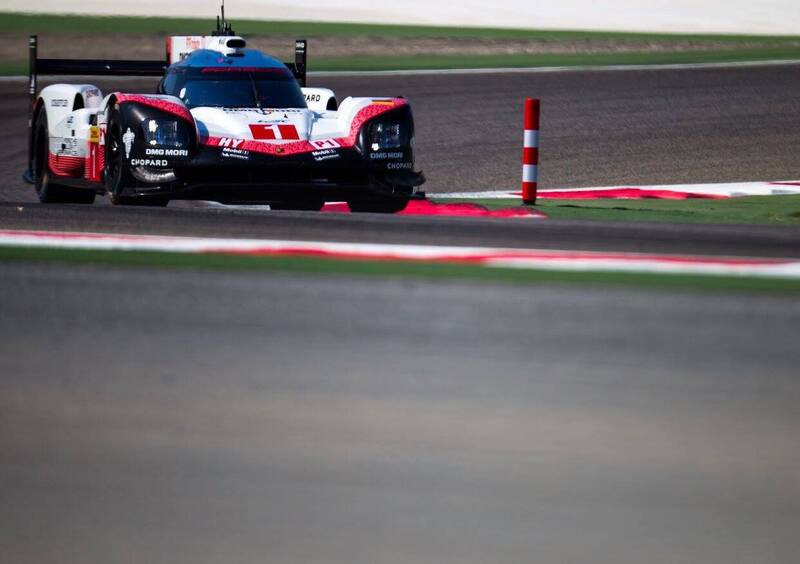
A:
[251, 80]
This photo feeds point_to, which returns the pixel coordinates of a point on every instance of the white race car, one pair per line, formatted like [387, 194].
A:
[227, 124]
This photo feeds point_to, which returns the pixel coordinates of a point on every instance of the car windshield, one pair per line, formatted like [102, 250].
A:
[236, 88]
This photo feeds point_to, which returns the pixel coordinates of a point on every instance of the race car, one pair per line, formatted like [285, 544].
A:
[226, 124]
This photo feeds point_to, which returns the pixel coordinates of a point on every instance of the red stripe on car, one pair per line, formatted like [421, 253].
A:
[66, 165]
[214, 70]
[287, 149]
[167, 106]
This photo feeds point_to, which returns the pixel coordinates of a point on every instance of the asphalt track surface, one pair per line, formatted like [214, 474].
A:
[183, 416]
[154, 416]
[598, 128]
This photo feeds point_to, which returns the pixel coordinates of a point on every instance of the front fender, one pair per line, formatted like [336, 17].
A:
[389, 159]
[141, 117]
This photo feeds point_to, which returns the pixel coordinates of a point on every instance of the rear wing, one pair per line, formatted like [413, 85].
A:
[75, 67]
[104, 67]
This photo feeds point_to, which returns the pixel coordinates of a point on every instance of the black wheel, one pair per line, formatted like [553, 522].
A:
[117, 175]
[378, 204]
[47, 191]
[310, 204]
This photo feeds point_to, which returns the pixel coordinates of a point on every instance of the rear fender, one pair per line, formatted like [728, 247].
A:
[59, 100]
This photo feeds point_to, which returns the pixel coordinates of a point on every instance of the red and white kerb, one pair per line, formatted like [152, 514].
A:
[530, 151]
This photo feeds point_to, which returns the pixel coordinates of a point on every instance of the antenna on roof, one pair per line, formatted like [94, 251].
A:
[223, 27]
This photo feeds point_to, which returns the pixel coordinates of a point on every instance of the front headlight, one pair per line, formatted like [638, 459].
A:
[385, 136]
[164, 133]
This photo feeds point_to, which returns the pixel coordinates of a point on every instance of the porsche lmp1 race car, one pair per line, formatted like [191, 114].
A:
[227, 124]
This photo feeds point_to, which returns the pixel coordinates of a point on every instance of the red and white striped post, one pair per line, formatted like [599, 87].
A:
[530, 151]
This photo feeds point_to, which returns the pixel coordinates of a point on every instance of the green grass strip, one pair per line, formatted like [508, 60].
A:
[395, 269]
[48, 23]
[432, 62]
[776, 210]
[774, 48]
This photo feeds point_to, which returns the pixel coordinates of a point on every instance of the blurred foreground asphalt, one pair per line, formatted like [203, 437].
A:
[183, 417]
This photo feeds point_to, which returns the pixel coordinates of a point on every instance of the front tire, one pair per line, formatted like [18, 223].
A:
[47, 191]
[117, 174]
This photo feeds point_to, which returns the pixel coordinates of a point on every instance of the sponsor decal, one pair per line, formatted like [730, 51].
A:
[246, 111]
[193, 43]
[399, 166]
[325, 144]
[313, 98]
[240, 154]
[149, 162]
[274, 131]
[231, 143]
[59, 103]
[384, 156]
[167, 152]
[70, 147]
[272, 121]
[128, 138]
[262, 111]
[94, 134]
[325, 155]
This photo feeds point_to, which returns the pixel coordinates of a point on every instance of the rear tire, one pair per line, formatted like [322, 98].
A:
[117, 175]
[47, 191]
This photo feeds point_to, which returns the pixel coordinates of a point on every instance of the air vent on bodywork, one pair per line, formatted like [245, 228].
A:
[236, 43]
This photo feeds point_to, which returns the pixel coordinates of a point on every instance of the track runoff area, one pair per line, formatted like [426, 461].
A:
[488, 263]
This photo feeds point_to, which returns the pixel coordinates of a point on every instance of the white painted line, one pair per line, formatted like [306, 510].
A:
[249, 207]
[579, 68]
[74, 79]
[728, 189]
[481, 256]
[479, 195]
[785, 270]
[495, 70]
[732, 189]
